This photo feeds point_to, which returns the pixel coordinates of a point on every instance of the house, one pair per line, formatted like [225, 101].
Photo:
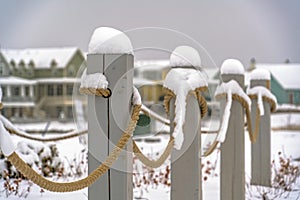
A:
[285, 82]
[38, 83]
[149, 76]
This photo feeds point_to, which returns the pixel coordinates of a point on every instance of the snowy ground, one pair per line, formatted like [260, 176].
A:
[285, 141]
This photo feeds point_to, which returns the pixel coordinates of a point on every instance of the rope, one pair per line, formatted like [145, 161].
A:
[96, 91]
[53, 139]
[29, 173]
[154, 163]
[201, 100]
[266, 99]
[257, 117]
[147, 111]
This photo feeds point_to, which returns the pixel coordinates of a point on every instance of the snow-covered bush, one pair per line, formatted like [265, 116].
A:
[285, 181]
[43, 158]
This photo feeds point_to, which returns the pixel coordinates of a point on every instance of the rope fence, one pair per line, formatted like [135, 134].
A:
[29, 173]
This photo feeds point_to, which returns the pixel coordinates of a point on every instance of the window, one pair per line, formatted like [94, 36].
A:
[1, 68]
[27, 91]
[3, 91]
[71, 70]
[69, 89]
[59, 90]
[50, 90]
[291, 96]
[16, 91]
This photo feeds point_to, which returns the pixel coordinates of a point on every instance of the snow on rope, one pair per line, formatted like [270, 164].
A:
[181, 81]
[262, 93]
[107, 40]
[95, 83]
[228, 89]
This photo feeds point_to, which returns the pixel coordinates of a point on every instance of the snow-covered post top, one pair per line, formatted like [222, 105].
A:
[185, 57]
[260, 77]
[232, 69]
[181, 79]
[107, 40]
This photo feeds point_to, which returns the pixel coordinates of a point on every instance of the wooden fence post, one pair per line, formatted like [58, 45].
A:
[107, 119]
[261, 149]
[186, 164]
[233, 149]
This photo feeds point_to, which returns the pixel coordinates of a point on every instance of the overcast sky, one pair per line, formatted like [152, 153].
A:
[266, 30]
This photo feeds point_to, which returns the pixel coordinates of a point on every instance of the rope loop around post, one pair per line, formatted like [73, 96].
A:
[202, 102]
[254, 134]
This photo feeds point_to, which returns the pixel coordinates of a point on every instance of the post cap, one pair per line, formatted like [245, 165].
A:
[107, 40]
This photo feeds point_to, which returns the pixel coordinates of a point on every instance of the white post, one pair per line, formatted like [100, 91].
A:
[261, 149]
[8, 91]
[22, 91]
[186, 163]
[233, 149]
[107, 120]
[31, 91]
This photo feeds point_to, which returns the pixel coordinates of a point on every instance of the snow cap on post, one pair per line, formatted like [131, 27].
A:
[106, 40]
[185, 56]
[260, 74]
[232, 66]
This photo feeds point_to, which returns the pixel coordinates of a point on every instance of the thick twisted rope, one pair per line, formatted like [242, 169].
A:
[201, 100]
[245, 105]
[96, 91]
[154, 163]
[252, 134]
[257, 117]
[29, 173]
[52, 139]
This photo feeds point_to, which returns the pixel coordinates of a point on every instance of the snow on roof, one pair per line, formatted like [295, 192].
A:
[286, 74]
[41, 57]
[260, 74]
[184, 56]
[13, 80]
[58, 80]
[143, 65]
[138, 82]
[232, 66]
[19, 104]
[107, 40]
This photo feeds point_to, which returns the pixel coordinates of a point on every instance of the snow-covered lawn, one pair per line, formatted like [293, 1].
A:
[284, 141]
